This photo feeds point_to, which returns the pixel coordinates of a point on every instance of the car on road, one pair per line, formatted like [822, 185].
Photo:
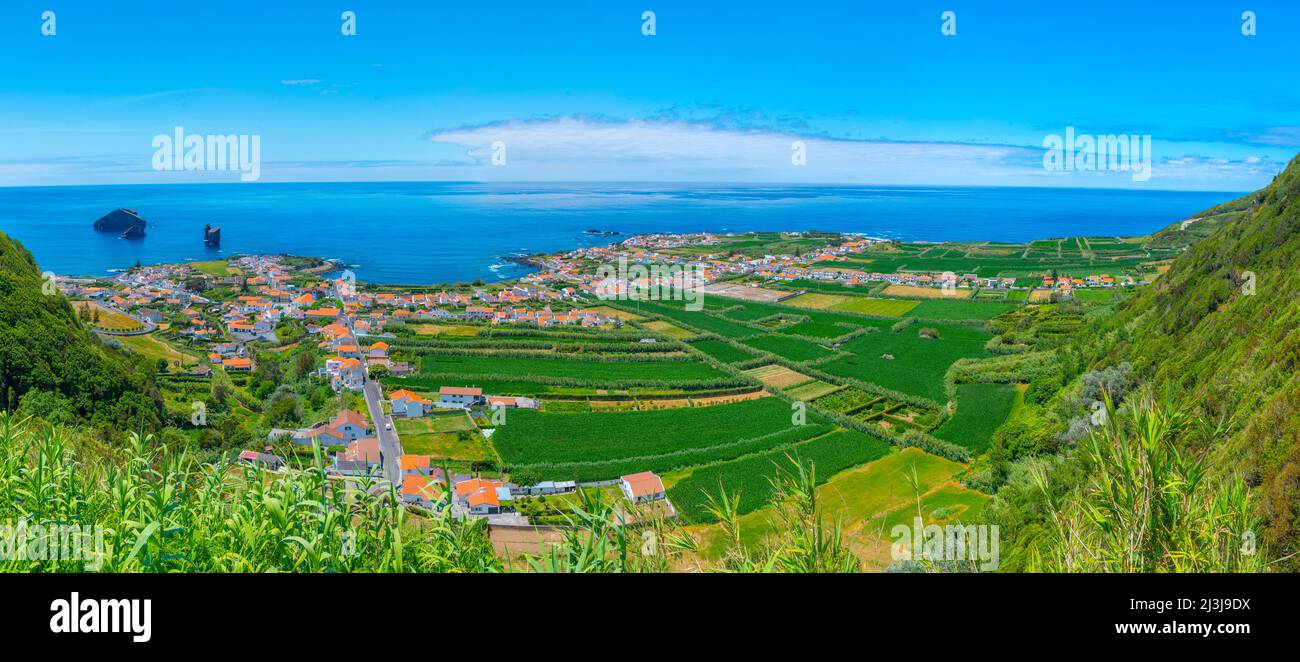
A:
[388, 426]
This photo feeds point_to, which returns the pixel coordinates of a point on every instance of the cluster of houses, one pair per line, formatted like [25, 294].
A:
[1066, 283]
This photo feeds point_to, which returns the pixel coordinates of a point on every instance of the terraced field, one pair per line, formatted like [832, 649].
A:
[750, 477]
[981, 409]
[906, 361]
[594, 372]
[778, 376]
[596, 446]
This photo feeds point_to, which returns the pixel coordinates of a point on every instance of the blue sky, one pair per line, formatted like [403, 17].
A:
[575, 91]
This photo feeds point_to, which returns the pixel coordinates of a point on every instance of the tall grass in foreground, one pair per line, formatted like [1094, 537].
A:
[163, 512]
[1149, 506]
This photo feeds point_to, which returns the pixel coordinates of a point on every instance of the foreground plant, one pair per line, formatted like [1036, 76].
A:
[1149, 506]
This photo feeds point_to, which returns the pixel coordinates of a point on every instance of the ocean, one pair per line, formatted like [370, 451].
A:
[422, 233]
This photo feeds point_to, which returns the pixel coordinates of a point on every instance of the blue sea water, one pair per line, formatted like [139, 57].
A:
[444, 232]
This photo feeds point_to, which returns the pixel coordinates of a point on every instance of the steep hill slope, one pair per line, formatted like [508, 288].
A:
[44, 347]
[1222, 328]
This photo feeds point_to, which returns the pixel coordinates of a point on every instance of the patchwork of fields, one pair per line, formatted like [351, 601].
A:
[598, 446]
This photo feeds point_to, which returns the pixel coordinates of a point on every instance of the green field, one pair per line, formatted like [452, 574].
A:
[722, 351]
[750, 477]
[789, 347]
[917, 365]
[961, 310]
[981, 409]
[596, 372]
[605, 445]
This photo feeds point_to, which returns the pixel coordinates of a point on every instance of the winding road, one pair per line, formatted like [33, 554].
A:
[390, 447]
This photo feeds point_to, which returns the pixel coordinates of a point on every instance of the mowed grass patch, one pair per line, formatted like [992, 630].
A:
[907, 362]
[668, 329]
[602, 445]
[812, 390]
[108, 319]
[750, 478]
[873, 306]
[816, 300]
[722, 351]
[596, 372]
[853, 498]
[618, 314]
[925, 292]
[778, 376]
[962, 310]
[457, 330]
[153, 348]
[459, 446]
[981, 409]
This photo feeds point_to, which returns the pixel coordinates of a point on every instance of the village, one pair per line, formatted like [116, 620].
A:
[222, 313]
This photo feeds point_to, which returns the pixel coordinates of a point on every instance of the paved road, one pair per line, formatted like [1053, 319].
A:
[390, 447]
[149, 327]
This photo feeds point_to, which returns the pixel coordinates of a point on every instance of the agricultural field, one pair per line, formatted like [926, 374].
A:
[722, 351]
[108, 319]
[981, 409]
[862, 499]
[878, 410]
[455, 446]
[154, 348]
[213, 267]
[458, 330]
[668, 329]
[749, 477]
[811, 390]
[1081, 256]
[789, 347]
[962, 309]
[927, 292]
[853, 304]
[907, 361]
[603, 445]
[594, 372]
[777, 376]
[617, 313]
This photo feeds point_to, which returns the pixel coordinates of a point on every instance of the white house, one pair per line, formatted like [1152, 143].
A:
[459, 396]
[643, 487]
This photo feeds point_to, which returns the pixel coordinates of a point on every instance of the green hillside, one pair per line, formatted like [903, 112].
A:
[1231, 355]
[50, 357]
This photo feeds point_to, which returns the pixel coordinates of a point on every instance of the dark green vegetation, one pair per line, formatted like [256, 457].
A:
[51, 359]
[981, 409]
[1230, 351]
[1222, 447]
[1077, 256]
[597, 446]
[593, 373]
[751, 478]
[908, 362]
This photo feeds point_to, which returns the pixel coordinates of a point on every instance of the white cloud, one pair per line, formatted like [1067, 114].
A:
[583, 148]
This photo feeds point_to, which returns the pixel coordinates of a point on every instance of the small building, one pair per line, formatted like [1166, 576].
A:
[413, 465]
[481, 496]
[422, 490]
[350, 424]
[237, 364]
[459, 396]
[643, 487]
[407, 403]
[262, 460]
